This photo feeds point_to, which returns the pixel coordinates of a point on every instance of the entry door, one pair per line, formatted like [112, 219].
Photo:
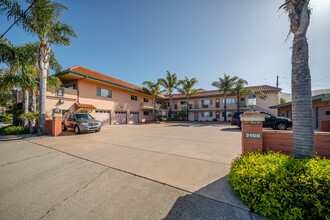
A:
[196, 104]
[134, 118]
[196, 116]
[217, 115]
[120, 118]
[103, 117]
[217, 103]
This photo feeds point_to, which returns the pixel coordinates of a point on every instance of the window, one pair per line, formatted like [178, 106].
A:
[158, 102]
[229, 101]
[327, 112]
[145, 113]
[207, 114]
[182, 102]
[146, 100]
[207, 102]
[134, 97]
[71, 86]
[103, 92]
[60, 92]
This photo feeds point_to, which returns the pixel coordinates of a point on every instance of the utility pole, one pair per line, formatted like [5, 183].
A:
[277, 81]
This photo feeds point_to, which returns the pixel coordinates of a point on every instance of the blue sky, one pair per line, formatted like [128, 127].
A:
[139, 40]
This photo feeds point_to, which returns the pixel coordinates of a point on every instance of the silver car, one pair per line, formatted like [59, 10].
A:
[80, 122]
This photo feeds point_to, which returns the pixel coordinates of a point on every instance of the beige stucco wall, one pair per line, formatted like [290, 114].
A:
[262, 105]
[120, 101]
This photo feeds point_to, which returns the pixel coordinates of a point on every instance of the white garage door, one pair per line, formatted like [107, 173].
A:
[103, 117]
[134, 118]
[120, 118]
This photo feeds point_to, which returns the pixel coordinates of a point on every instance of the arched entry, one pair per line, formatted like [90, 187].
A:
[217, 103]
[217, 115]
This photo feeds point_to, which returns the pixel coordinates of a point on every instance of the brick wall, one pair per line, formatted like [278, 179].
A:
[282, 141]
[49, 126]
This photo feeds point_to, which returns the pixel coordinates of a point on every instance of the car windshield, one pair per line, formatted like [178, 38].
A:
[84, 116]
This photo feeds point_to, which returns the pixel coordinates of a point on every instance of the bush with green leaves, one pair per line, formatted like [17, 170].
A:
[14, 130]
[6, 118]
[282, 187]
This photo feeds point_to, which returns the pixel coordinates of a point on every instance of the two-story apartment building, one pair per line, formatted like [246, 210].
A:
[113, 101]
[109, 100]
[209, 105]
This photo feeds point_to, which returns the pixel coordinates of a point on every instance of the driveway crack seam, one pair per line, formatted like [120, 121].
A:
[26, 159]
[57, 204]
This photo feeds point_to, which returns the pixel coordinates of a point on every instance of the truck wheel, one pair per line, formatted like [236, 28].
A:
[63, 127]
[98, 130]
[77, 129]
[281, 126]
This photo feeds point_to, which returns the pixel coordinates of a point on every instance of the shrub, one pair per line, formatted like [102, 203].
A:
[214, 119]
[6, 118]
[14, 130]
[281, 187]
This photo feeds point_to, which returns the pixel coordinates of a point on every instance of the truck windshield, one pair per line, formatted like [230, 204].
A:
[84, 116]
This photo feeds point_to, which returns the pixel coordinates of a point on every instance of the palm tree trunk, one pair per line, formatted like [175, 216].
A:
[33, 109]
[171, 105]
[237, 102]
[225, 108]
[25, 105]
[153, 109]
[187, 108]
[42, 66]
[15, 94]
[302, 110]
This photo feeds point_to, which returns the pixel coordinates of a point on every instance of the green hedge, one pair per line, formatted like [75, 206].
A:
[14, 130]
[6, 118]
[281, 187]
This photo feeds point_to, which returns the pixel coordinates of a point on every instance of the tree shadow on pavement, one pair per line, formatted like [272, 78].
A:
[214, 201]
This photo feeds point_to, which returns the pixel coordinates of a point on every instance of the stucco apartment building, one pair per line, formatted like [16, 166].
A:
[113, 101]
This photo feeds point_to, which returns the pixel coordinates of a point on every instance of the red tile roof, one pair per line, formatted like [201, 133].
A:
[83, 70]
[80, 105]
[263, 88]
[92, 73]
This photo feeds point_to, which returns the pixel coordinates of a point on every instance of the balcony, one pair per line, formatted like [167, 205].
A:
[64, 93]
[148, 106]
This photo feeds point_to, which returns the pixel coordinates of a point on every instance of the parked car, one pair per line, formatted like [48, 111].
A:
[80, 122]
[271, 121]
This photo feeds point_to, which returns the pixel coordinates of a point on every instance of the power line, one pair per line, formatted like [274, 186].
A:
[18, 18]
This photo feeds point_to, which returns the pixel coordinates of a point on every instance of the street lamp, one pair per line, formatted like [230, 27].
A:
[251, 101]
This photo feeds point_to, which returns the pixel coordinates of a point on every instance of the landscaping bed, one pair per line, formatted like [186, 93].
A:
[278, 186]
[10, 130]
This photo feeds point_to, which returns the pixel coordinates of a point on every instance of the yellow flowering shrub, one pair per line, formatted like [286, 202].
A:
[281, 187]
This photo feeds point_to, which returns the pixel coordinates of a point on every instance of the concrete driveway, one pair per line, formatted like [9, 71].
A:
[194, 157]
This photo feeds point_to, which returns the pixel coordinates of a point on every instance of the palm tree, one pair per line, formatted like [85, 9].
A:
[302, 110]
[42, 20]
[239, 90]
[152, 89]
[225, 85]
[187, 88]
[169, 83]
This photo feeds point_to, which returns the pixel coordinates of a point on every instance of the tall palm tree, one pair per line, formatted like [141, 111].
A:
[302, 110]
[169, 83]
[152, 89]
[240, 89]
[225, 85]
[187, 88]
[43, 21]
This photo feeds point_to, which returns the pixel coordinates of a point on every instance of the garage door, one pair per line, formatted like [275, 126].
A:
[103, 117]
[120, 118]
[134, 118]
